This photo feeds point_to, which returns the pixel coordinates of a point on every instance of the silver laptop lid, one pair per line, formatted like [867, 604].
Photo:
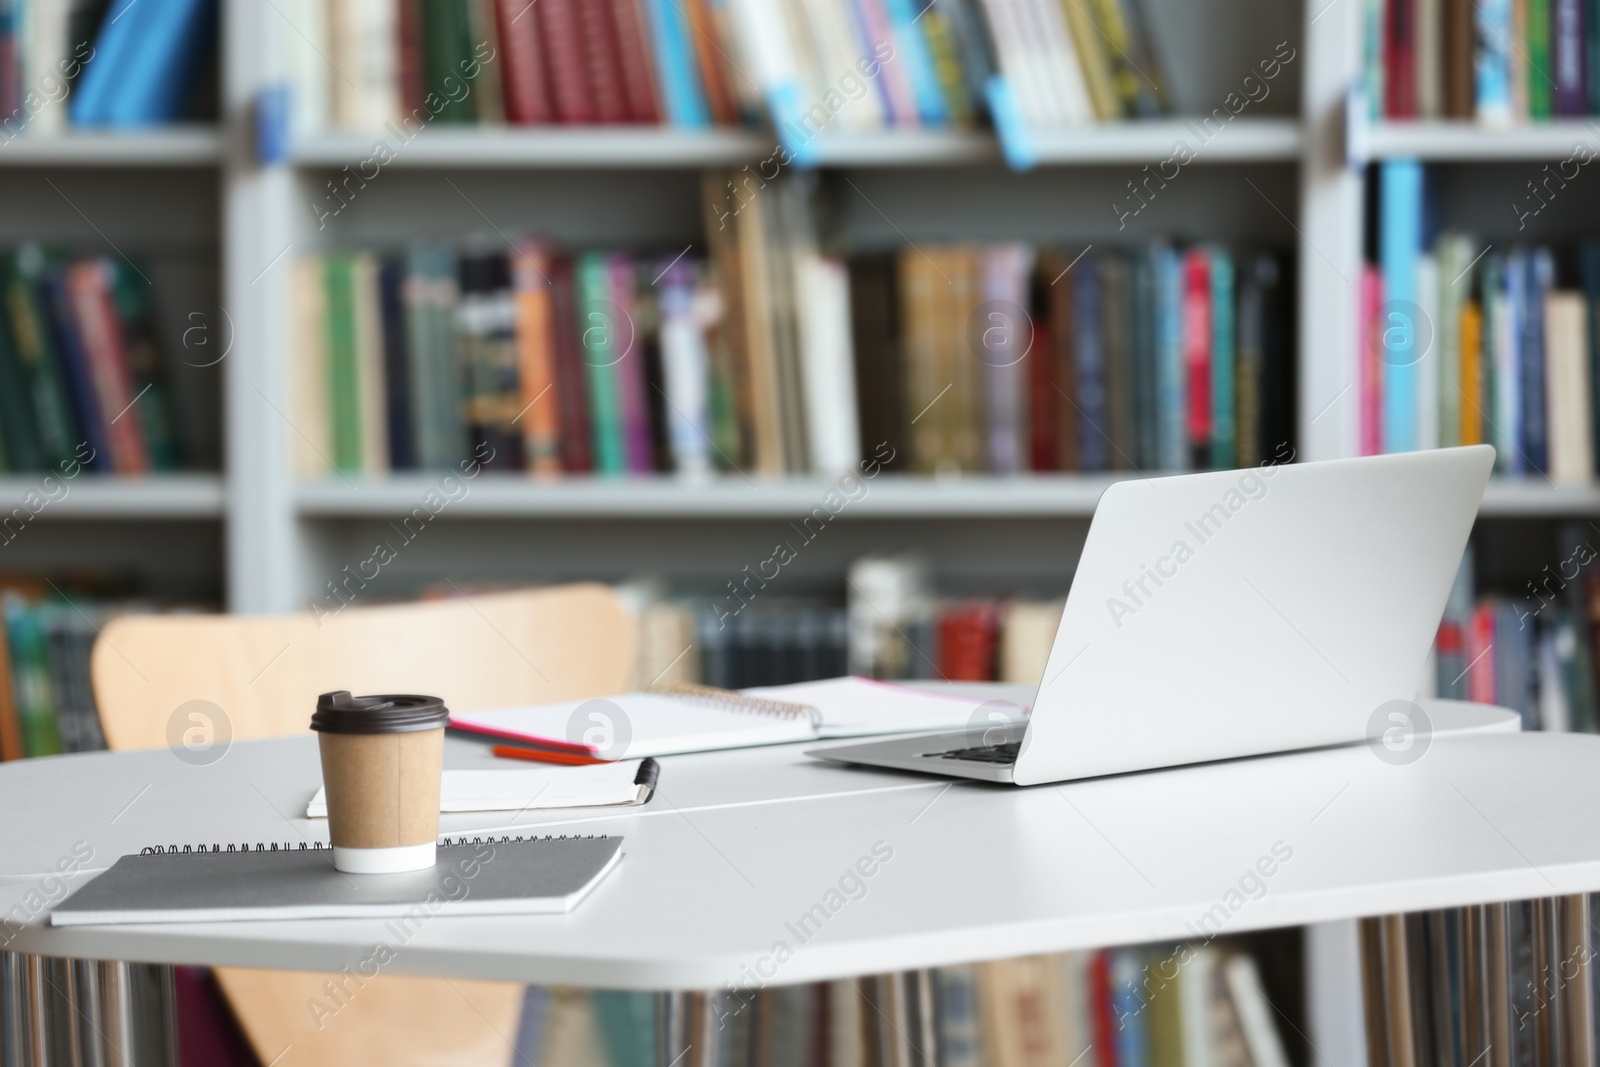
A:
[1241, 612]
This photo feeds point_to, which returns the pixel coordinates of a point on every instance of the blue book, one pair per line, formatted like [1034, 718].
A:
[75, 368]
[1094, 441]
[155, 75]
[1223, 434]
[1171, 394]
[396, 365]
[1508, 371]
[903, 14]
[102, 77]
[1128, 1004]
[1492, 73]
[1399, 247]
[1534, 439]
[681, 90]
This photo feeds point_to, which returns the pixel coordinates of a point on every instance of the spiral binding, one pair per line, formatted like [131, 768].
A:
[317, 846]
[731, 700]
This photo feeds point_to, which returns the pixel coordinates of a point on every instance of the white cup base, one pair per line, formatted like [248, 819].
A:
[384, 860]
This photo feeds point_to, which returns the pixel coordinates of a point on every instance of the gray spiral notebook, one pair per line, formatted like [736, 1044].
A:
[472, 876]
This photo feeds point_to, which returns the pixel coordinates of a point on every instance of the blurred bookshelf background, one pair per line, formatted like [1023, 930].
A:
[816, 325]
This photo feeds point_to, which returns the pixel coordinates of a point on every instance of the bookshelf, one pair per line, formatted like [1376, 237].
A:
[227, 229]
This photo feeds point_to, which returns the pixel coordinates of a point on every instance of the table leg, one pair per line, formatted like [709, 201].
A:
[85, 1013]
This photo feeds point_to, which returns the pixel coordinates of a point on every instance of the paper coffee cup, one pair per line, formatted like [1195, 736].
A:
[382, 757]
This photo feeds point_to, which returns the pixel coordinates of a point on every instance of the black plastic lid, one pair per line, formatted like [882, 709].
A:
[391, 713]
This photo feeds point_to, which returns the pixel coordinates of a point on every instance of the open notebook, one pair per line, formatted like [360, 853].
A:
[698, 719]
[489, 876]
[535, 788]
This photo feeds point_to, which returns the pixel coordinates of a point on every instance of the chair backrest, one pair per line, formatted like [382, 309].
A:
[264, 672]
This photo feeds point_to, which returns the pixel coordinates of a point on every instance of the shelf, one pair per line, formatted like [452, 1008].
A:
[181, 146]
[549, 147]
[1263, 140]
[88, 496]
[507, 496]
[1536, 498]
[644, 147]
[1469, 142]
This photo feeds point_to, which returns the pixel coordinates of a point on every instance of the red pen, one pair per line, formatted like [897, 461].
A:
[540, 755]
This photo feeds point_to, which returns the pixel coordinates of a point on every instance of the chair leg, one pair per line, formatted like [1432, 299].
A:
[85, 1013]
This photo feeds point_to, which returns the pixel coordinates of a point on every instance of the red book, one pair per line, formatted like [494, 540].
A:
[1102, 1014]
[409, 56]
[571, 384]
[1400, 60]
[527, 83]
[1043, 400]
[600, 63]
[1197, 338]
[968, 640]
[1370, 393]
[94, 318]
[1480, 652]
[637, 62]
[561, 44]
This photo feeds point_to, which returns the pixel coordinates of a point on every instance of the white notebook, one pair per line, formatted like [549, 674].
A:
[664, 723]
[533, 788]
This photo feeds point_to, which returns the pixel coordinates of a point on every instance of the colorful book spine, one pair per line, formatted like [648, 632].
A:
[1223, 354]
[1171, 391]
[629, 349]
[1400, 244]
[1539, 279]
[1197, 354]
[597, 348]
[1541, 83]
[540, 414]
[1492, 67]
[1094, 453]
[681, 90]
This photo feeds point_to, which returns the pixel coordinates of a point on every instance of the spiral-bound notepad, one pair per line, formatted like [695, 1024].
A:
[215, 883]
[699, 718]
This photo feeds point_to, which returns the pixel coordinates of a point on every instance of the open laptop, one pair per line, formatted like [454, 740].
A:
[1228, 614]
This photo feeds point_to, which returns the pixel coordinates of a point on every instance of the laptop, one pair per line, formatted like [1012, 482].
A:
[1231, 613]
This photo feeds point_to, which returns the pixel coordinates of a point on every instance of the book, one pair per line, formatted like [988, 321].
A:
[535, 788]
[1400, 237]
[507, 876]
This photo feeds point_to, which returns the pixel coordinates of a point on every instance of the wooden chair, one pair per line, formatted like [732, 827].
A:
[264, 674]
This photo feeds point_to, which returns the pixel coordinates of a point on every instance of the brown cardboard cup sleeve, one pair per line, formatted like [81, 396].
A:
[382, 758]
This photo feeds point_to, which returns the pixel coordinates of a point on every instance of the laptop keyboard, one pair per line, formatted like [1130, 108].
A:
[1004, 753]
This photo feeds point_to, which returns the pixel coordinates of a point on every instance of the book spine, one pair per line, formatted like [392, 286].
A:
[638, 65]
[687, 375]
[1535, 429]
[602, 65]
[1473, 400]
[94, 318]
[912, 50]
[1400, 243]
[1458, 58]
[628, 347]
[1400, 60]
[1089, 350]
[597, 332]
[540, 413]
[1492, 68]
[402, 435]
[1589, 277]
[1171, 385]
[681, 92]
[1541, 95]
[1004, 337]
[710, 62]
[562, 44]
[66, 350]
[526, 79]
[572, 385]
[1223, 434]
[344, 407]
[1568, 44]
[411, 74]
[1197, 354]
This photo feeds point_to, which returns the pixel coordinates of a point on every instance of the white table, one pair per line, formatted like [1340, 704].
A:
[738, 846]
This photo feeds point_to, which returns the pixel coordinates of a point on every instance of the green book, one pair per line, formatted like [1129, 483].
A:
[344, 401]
[131, 297]
[19, 435]
[1492, 294]
[597, 338]
[447, 45]
[40, 363]
[1541, 86]
[1223, 435]
[30, 675]
[627, 1025]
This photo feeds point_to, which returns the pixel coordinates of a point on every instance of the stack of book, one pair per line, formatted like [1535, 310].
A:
[772, 357]
[46, 701]
[839, 64]
[1461, 343]
[1504, 983]
[83, 380]
[1534, 651]
[367, 64]
[87, 63]
[1185, 1004]
[1497, 61]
